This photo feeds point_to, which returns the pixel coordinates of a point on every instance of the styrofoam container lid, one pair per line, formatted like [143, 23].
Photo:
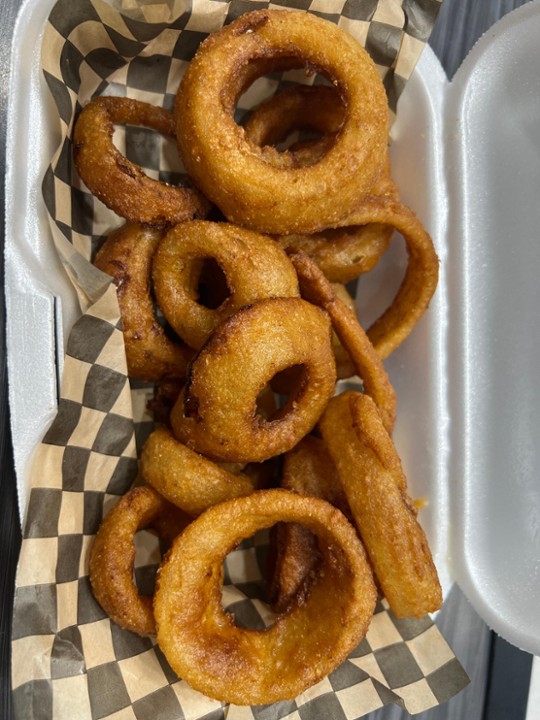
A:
[466, 158]
[492, 149]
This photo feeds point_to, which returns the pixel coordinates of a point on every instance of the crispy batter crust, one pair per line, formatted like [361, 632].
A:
[113, 555]
[251, 667]
[127, 256]
[318, 290]
[255, 267]
[421, 276]
[217, 414]
[249, 185]
[315, 108]
[186, 478]
[376, 490]
[121, 184]
[342, 253]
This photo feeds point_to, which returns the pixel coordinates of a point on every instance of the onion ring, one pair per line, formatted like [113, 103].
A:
[186, 479]
[309, 470]
[249, 185]
[318, 290]
[345, 367]
[217, 414]
[121, 184]
[342, 253]
[113, 556]
[255, 267]
[421, 277]
[312, 108]
[252, 667]
[376, 490]
[345, 253]
[127, 256]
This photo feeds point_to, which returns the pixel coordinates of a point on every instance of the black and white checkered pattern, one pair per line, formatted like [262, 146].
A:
[69, 660]
[98, 51]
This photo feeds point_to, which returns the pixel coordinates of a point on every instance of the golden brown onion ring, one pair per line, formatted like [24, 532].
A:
[345, 367]
[309, 470]
[217, 414]
[376, 490]
[344, 253]
[311, 108]
[250, 667]
[127, 256]
[121, 184]
[255, 267]
[113, 556]
[185, 478]
[421, 275]
[248, 183]
[318, 290]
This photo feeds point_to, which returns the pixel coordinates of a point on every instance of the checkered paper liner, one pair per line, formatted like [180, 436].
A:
[69, 660]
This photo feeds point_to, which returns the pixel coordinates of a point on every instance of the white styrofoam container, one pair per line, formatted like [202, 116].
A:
[466, 156]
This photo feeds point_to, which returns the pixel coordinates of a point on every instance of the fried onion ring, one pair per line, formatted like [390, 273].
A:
[121, 184]
[127, 256]
[249, 184]
[311, 108]
[185, 478]
[250, 667]
[309, 470]
[345, 367]
[342, 253]
[217, 414]
[318, 290]
[421, 276]
[113, 556]
[376, 490]
[255, 267]
[345, 253]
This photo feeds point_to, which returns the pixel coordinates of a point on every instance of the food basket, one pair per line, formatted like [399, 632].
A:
[472, 459]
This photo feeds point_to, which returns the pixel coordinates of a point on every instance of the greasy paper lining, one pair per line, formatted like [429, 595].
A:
[69, 660]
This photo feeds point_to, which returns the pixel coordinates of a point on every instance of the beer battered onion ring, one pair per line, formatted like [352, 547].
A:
[121, 184]
[251, 667]
[376, 490]
[345, 367]
[312, 108]
[309, 470]
[255, 267]
[249, 184]
[185, 478]
[345, 253]
[217, 413]
[113, 555]
[317, 289]
[421, 276]
[127, 255]
[342, 253]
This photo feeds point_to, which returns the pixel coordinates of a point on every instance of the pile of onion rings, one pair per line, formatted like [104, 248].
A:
[244, 324]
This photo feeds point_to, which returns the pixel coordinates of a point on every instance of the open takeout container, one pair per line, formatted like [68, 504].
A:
[482, 401]
[465, 156]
